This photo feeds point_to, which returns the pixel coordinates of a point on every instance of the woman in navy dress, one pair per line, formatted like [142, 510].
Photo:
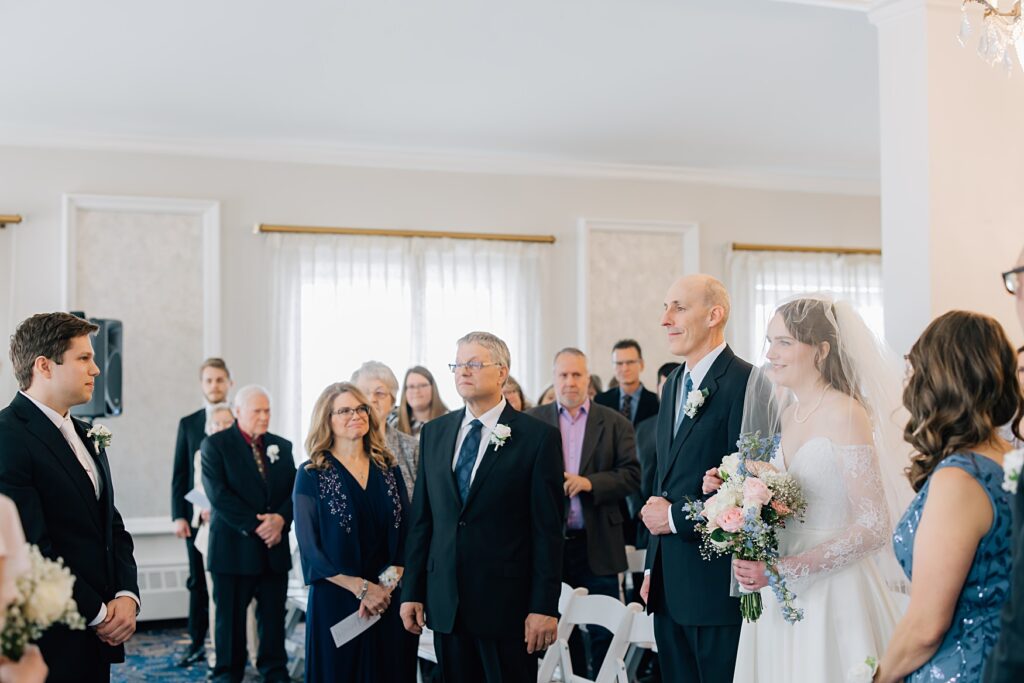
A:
[351, 511]
[953, 542]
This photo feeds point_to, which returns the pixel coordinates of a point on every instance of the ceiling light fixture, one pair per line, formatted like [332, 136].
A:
[1001, 32]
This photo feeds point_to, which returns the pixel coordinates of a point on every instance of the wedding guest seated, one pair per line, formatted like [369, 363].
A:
[420, 401]
[351, 515]
[953, 542]
[376, 381]
[513, 393]
[547, 397]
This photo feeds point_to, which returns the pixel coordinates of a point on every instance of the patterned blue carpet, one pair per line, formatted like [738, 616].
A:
[151, 653]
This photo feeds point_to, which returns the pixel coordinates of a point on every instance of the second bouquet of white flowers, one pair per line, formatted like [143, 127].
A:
[44, 599]
[741, 519]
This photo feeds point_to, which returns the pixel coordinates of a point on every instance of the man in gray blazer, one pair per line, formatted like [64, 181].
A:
[601, 470]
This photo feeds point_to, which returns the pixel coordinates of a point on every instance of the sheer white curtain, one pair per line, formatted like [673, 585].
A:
[759, 280]
[343, 300]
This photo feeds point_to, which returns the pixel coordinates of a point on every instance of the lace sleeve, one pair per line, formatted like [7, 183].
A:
[867, 528]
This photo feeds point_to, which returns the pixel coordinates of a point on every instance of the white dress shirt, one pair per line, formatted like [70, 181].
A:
[489, 421]
[67, 429]
[697, 375]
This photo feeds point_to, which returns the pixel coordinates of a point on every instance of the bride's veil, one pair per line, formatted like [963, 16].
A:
[874, 377]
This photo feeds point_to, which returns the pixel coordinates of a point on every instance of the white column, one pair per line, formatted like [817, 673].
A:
[952, 148]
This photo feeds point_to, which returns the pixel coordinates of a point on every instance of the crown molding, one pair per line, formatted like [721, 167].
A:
[333, 154]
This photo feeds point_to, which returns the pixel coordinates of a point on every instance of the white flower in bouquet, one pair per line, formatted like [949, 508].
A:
[45, 598]
[863, 672]
[730, 464]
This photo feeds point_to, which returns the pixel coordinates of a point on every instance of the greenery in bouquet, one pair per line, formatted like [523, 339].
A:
[44, 599]
[743, 516]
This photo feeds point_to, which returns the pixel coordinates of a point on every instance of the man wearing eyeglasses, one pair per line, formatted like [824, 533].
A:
[630, 397]
[484, 551]
[1006, 663]
[248, 474]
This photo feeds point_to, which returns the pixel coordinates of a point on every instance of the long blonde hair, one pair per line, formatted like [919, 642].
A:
[320, 438]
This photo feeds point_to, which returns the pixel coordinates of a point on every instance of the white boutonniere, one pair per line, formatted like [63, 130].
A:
[863, 672]
[272, 453]
[1012, 464]
[500, 435]
[100, 436]
[694, 401]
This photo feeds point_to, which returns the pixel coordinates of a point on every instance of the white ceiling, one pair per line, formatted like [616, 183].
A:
[728, 85]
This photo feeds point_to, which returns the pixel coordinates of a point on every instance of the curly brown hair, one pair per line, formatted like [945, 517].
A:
[321, 437]
[962, 388]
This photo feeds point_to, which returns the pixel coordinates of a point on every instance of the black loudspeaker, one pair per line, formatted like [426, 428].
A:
[108, 344]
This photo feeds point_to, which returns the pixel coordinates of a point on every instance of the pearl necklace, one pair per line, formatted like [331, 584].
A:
[796, 409]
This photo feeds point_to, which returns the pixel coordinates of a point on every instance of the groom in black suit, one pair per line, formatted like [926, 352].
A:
[484, 552]
[696, 622]
[248, 474]
[60, 480]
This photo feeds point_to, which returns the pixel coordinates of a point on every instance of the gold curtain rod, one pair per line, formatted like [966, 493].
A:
[12, 219]
[312, 230]
[738, 246]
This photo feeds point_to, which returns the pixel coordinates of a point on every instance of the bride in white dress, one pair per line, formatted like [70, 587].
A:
[836, 394]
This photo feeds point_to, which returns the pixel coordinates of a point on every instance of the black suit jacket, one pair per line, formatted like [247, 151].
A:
[695, 592]
[648, 406]
[1006, 663]
[647, 456]
[191, 432]
[487, 564]
[60, 514]
[237, 494]
[608, 460]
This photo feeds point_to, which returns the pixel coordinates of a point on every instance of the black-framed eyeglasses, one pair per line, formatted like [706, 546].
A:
[473, 365]
[346, 413]
[1011, 279]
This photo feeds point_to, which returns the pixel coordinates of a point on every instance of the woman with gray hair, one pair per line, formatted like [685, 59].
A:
[380, 385]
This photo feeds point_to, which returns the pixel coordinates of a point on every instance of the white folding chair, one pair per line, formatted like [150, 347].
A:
[599, 610]
[641, 638]
[549, 663]
[295, 609]
[635, 560]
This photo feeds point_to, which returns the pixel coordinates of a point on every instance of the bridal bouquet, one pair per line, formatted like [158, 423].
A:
[44, 599]
[742, 517]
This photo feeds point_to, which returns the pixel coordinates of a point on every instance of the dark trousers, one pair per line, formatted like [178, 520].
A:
[198, 595]
[695, 654]
[464, 658]
[576, 572]
[74, 656]
[232, 593]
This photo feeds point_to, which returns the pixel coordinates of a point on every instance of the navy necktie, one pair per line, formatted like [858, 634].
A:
[467, 458]
[687, 388]
[627, 407]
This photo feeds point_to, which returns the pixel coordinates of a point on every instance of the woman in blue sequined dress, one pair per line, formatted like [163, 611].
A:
[351, 509]
[953, 542]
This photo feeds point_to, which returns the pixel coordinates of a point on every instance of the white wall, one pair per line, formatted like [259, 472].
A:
[33, 180]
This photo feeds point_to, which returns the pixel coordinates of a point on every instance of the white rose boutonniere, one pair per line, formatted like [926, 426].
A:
[694, 401]
[1012, 464]
[500, 435]
[863, 672]
[272, 453]
[100, 436]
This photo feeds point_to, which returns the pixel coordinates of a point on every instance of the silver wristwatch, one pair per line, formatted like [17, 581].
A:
[363, 590]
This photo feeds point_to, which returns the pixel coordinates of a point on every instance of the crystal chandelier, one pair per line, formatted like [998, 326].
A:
[1001, 32]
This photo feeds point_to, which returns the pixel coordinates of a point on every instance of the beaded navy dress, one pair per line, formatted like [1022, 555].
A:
[344, 529]
[972, 634]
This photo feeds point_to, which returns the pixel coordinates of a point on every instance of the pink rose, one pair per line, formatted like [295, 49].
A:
[755, 492]
[731, 520]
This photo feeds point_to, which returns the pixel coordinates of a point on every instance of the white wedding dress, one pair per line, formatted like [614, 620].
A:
[829, 563]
